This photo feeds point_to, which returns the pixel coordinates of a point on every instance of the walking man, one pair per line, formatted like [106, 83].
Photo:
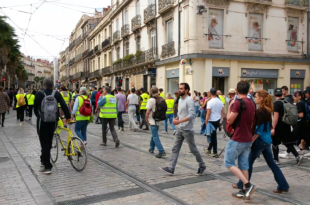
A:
[107, 104]
[155, 141]
[96, 99]
[46, 129]
[121, 102]
[289, 98]
[93, 98]
[131, 106]
[239, 145]
[144, 97]
[185, 121]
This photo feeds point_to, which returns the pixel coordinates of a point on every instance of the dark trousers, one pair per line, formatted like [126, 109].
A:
[259, 147]
[143, 113]
[275, 149]
[120, 120]
[2, 119]
[20, 113]
[213, 143]
[111, 122]
[46, 135]
[30, 110]
[94, 107]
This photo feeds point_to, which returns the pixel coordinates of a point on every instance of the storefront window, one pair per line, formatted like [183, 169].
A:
[173, 85]
[262, 84]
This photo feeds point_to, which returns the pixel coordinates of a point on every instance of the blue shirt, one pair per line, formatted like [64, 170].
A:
[102, 101]
[264, 135]
[93, 96]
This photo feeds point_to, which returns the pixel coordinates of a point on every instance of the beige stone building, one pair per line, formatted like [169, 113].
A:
[29, 65]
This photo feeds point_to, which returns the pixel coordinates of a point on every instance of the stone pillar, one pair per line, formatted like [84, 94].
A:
[234, 74]
[181, 73]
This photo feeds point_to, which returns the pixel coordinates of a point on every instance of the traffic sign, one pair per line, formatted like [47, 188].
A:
[56, 81]
[56, 85]
[3, 79]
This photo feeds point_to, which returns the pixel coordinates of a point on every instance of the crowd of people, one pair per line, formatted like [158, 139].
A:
[267, 121]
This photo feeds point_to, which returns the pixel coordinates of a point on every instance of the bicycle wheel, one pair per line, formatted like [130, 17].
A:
[54, 149]
[78, 158]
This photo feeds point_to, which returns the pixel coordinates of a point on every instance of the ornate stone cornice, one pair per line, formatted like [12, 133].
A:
[295, 13]
[167, 16]
[257, 8]
[222, 4]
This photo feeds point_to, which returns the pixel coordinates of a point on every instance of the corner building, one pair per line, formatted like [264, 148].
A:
[225, 41]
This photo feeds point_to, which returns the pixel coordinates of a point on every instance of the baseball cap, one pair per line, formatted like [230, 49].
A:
[213, 91]
[232, 90]
[307, 91]
[278, 91]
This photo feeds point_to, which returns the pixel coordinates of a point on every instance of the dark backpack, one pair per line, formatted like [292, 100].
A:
[160, 109]
[86, 108]
[307, 109]
[230, 129]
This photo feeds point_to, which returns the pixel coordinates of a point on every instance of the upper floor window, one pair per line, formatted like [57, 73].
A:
[105, 34]
[169, 31]
[117, 24]
[126, 17]
[137, 7]
[153, 38]
[255, 32]
[117, 53]
[127, 48]
[139, 43]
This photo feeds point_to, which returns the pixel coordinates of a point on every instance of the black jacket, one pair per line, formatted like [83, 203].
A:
[40, 96]
[289, 98]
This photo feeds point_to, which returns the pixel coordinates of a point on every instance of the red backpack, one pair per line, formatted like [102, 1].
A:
[86, 108]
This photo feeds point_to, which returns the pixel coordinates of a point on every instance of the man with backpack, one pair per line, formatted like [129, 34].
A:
[47, 112]
[152, 107]
[185, 121]
[281, 128]
[289, 98]
[240, 112]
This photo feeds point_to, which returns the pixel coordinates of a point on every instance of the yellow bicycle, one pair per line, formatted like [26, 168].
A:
[75, 150]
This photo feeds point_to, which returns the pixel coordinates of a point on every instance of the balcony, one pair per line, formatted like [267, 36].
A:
[47, 71]
[30, 73]
[117, 66]
[78, 57]
[77, 75]
[30, 82]
[90, 53]
[125, 30]
[72, 44]
[85, 74]
[297, 4]
[116, 36]
[96, 49]
[106, 71]
[85, 53]
[168, 50]
[79, 40]
[85, 34]
[266, 2]
[95, 74]
[72, 61]
[164, 5]
[106, 43]
[136, 23]
[149, 13]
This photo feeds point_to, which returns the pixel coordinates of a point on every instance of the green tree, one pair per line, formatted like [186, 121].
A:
[37, 80]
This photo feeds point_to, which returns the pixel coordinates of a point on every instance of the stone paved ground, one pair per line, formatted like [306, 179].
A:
[131, 175]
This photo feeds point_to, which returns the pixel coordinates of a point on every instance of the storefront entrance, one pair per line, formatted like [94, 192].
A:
[297, 80]
[172, 81]
[219, 78]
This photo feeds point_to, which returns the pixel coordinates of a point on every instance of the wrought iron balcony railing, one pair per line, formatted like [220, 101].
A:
[117, 66]
[94, 74]
[125, 30]
[168, 50]
[30, 73]
[116, 36]
[47, 71]
[106, 71]
[260, 1]
[151, 54]
[149, 13]
[164, 5]
[106, 42]
[78, 57]
[297, 3]
[96, 48]
[77, 75]
[85, 53]
[79, 40]
[136, 22]
[90, 53]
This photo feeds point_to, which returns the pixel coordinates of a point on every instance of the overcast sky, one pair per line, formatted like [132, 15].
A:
[56, 18]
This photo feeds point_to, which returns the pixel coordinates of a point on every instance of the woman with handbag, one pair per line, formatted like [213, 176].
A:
[4, 105]
[21, 104]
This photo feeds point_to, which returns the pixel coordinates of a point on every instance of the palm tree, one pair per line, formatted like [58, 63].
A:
[36, 79]
[41, 81]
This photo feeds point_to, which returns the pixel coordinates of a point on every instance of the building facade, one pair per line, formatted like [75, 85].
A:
[29, 65]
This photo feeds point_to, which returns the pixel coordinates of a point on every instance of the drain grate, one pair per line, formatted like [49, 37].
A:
[4, 159]
[181, 182]
[103, 197]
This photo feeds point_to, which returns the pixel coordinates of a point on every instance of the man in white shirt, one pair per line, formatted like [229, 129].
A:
[131, 104]
[215, 111]
[155, 141]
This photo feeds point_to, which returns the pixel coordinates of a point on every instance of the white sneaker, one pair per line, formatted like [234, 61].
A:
[277, 162]
[284, 155]
[165, 133]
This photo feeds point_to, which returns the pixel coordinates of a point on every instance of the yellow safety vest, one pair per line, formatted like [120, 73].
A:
[145, 98]
[162, 95]
[109, 109]
[66, 99]
[17, 98]
[170, 105]
[30, 99]
[222, 99]
[78, 116]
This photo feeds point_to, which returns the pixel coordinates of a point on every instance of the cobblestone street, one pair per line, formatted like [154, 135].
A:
[130, 174]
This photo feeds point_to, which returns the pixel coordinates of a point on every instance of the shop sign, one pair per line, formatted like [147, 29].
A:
[259, 73]
[174, 73]
[298, 74]
[183, 62]
[220, 72]
[139, 73]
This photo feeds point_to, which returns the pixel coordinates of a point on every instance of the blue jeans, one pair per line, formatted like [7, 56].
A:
[175, 115]
[155, 141]
[120, 119]
[138, 117]
[237, 150]
[80, 129]
[170, 117]
[197, 110]
[261, 147]
[203, 121]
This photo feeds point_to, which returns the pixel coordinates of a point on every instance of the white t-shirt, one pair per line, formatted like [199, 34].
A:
[133, 99]
[216, 105]
[151, 105]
